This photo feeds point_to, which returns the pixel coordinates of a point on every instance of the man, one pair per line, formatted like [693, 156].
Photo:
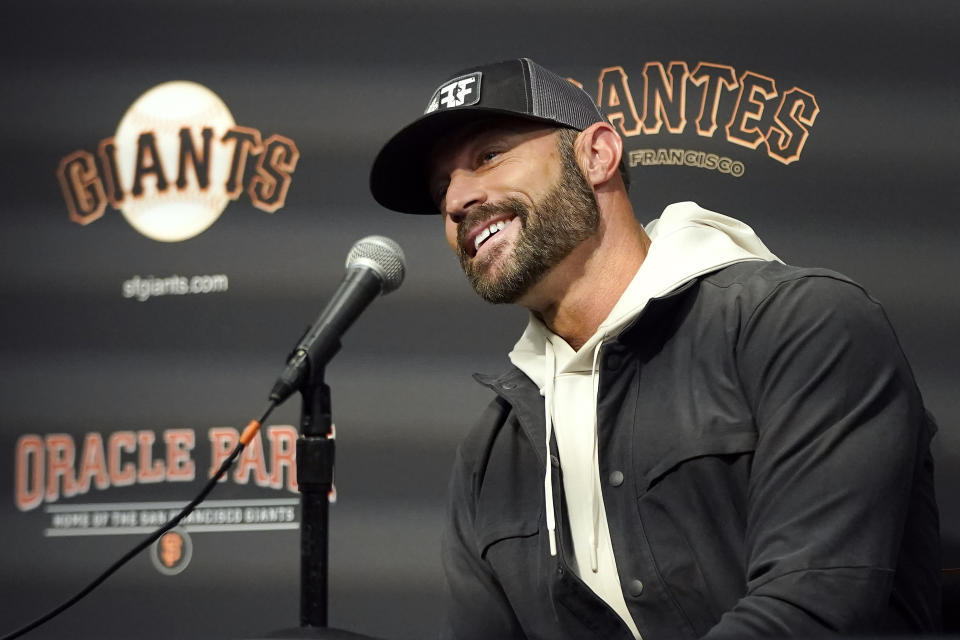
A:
[695, 439]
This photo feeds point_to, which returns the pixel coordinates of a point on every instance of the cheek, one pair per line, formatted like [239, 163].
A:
[450, 231]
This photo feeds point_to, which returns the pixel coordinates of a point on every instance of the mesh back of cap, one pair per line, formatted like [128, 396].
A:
[559, 99]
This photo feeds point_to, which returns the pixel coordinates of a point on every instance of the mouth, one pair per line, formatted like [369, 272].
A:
[482, 234]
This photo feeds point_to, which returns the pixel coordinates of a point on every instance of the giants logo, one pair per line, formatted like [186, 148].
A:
[748, 107]
[175, 161]
[172, 552]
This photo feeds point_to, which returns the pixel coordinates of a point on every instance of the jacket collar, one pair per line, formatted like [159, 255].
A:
[523, 394]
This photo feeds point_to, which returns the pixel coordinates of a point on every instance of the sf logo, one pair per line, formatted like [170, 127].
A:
[455, 93]
[172, 552]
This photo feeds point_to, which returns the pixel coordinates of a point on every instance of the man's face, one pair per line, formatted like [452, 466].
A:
[514, 204]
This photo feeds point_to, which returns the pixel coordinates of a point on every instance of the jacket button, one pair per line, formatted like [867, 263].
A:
[509, 385]
[554, 461]
[615, 478]
[635, 588]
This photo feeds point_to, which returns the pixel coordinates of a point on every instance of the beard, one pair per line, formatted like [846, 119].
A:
[549, 231]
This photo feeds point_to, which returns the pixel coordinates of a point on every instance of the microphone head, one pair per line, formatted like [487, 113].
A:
[383, 256]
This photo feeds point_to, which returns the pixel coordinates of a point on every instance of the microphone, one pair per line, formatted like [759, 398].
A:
[375, 265]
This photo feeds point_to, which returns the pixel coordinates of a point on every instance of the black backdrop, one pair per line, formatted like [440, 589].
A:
[872, 195]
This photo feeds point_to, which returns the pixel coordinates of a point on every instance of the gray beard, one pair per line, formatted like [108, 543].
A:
[557, 224]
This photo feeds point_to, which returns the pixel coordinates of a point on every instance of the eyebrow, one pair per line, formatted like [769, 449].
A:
[469, 136]
[464, 140]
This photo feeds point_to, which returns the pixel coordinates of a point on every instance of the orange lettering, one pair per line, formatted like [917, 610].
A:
[663, 100]
[28, 489]
[268, 189]
[711, 77]
[148, 469]
[252, 459]
[752, 85]
[119, 441]
[148, 161]
[283, 455]
[180, 443]
[93, 466]
[616, 101]
[798, 109]
[189, 155]
[107, 150]
[245, 140]
[60, 455]
[223, 440]
[81, 186]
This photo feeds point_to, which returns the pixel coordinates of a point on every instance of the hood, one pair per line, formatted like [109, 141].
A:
[687, 241]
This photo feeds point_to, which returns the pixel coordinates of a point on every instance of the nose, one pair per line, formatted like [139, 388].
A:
[464, 192]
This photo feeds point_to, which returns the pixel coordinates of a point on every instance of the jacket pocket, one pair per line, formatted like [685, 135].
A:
[510, 494]
[490, 534]
[507, 528]
[722, 444]
[693, 511]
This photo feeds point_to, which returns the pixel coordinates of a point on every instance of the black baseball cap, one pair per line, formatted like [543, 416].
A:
[519, 88]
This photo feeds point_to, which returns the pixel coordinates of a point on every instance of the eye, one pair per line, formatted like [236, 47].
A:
[487, 155]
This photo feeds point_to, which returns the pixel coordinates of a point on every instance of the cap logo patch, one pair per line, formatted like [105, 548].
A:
[459, 92]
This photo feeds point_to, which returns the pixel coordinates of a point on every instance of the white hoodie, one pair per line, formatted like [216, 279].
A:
[687, 241]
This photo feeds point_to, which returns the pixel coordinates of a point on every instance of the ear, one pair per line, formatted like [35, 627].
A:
[599, 148]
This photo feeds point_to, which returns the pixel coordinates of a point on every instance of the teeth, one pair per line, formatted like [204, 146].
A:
[483, 235]
[486, 233]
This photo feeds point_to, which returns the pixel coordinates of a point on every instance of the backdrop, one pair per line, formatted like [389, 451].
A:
[164, 246]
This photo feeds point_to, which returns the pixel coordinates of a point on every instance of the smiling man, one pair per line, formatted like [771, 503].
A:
[694, 439]
[502, 248]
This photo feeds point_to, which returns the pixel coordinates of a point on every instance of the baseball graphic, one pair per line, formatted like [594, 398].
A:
[164, 210]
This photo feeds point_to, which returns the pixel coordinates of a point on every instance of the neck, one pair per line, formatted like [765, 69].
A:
[579, 293]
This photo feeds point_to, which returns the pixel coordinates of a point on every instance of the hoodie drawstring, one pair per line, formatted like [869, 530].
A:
[595, 489]
[547, 392]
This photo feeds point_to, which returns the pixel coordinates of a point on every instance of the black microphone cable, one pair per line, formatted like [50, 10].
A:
[375, 265]
[248, 434]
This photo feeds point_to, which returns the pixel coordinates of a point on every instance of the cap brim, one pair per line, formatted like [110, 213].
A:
[399, 179]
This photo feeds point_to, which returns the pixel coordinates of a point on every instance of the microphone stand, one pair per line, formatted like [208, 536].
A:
[316, 450]
[315, 463]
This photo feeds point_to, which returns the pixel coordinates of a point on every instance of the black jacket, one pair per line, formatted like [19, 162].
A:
[764, 456]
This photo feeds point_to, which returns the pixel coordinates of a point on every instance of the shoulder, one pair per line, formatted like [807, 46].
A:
[474, 450]
[475, 447]
[795, 324]
[509, 430]
[759, 313]
[762, 289]
[759, 278]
